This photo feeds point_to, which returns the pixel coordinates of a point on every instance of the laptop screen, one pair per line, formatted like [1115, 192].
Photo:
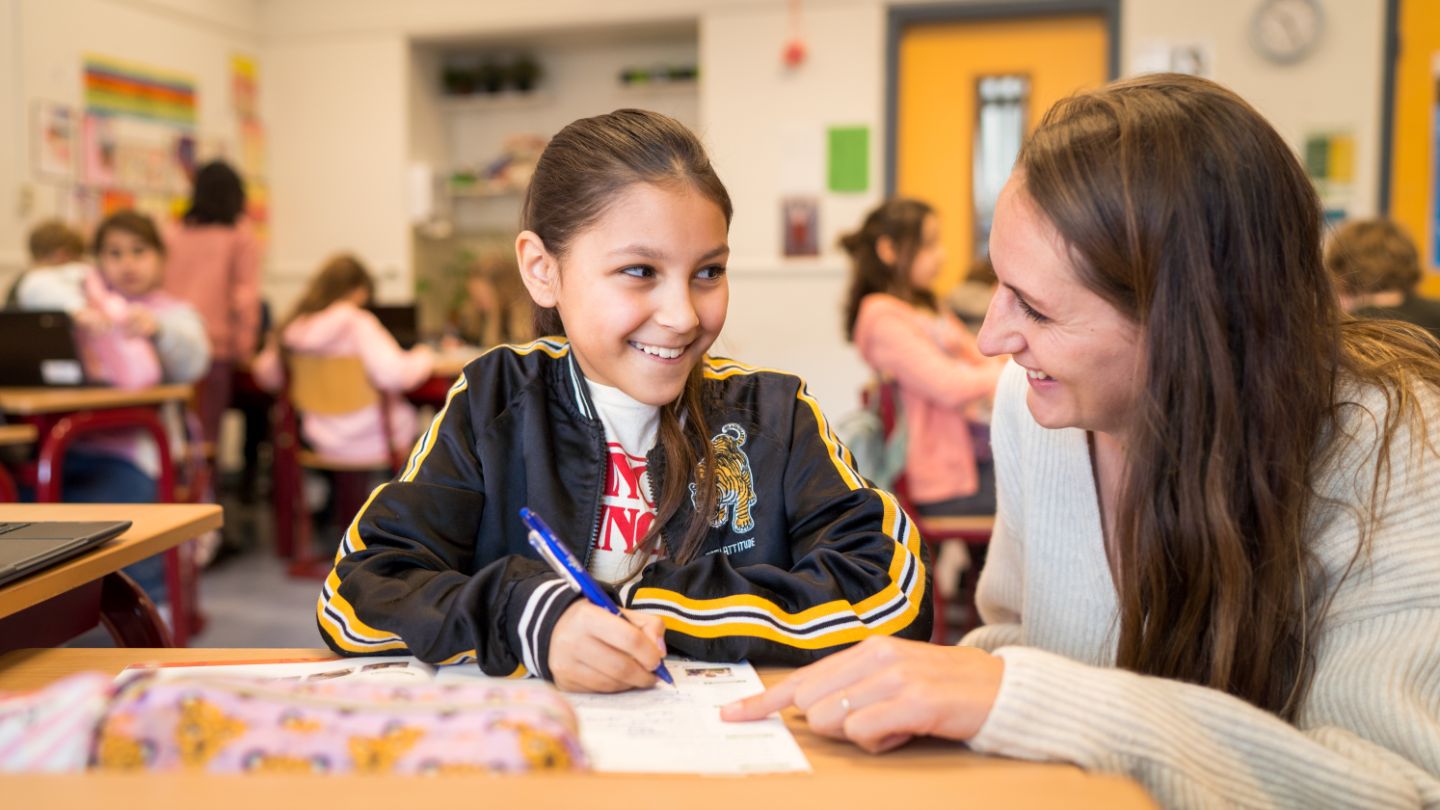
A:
[38, 348]
[401, 322]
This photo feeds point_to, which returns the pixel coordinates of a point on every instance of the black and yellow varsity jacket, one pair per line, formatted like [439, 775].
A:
[804, 557]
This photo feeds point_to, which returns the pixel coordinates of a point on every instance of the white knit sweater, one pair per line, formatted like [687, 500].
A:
[1369, 733]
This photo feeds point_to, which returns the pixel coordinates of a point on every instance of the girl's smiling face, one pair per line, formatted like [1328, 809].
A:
[130, 265]
[641, 291]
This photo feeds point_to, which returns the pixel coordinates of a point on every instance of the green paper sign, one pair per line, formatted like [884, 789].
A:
[849, 158]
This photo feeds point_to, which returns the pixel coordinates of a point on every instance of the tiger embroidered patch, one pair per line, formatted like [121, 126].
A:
[735, 485]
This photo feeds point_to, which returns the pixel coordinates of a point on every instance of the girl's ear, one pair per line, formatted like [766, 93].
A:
[885, 249]
[538, 269]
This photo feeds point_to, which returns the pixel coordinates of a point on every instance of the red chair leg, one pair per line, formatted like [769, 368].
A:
[129, 614]
[7, 488]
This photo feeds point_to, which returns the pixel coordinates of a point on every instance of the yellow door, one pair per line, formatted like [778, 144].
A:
[940, 67]
[1414, 176]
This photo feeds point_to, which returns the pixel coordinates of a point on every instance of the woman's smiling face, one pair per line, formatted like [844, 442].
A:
[1084, 358]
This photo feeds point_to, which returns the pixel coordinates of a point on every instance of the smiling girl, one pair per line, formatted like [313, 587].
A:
[712, 496]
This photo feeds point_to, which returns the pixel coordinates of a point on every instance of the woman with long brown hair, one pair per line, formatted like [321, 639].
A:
[1215, 566]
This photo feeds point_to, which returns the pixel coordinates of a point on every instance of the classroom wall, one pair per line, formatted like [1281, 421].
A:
[43, 44]
[1337, 88]
[335, 89]
[784, 313]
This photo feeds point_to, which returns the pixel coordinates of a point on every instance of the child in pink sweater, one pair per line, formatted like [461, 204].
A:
[131, 334]
[331, 321]
[893, 320]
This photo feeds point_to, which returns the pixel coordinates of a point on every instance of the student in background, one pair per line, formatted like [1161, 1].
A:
[710, 494]
[131, 334]
[1214, 569]
[1377, 269]
[494, 308]
[56, 247]
[331, 321]
[892, 319]
[214, 264]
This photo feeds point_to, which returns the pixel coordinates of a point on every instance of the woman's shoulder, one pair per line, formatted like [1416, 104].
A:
[1364, 409]
[1379, 481]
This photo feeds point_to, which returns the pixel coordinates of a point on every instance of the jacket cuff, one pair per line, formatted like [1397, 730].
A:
[541, 601]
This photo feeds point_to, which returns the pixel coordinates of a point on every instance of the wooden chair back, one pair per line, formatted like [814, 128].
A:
[329, 386]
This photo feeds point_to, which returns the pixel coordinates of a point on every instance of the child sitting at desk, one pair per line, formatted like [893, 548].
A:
[131, 335]
[711, 495]
[331, 321]
[53, 246]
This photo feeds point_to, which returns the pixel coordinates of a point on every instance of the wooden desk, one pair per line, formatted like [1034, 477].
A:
[54, 605]
[924, 774]
[38, 401]
[61, 415]
[11, 435]
[967, 527]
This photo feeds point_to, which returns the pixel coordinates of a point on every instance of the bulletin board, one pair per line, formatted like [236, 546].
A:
[137, 140]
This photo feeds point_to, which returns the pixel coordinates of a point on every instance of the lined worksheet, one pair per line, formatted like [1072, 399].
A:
[678, 729]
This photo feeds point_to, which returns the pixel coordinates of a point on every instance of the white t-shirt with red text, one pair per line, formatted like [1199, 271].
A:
[627, 508]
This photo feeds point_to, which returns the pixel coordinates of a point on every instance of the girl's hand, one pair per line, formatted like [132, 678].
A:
[592, 650]
[90, 320]
[140, 322]
[884, 691]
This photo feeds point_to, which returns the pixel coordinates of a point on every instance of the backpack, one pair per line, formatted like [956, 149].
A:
[879, 458]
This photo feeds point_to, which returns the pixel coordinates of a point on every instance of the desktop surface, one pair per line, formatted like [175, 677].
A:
[925, 773]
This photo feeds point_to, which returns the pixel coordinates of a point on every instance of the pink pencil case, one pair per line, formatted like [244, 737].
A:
[237, 725]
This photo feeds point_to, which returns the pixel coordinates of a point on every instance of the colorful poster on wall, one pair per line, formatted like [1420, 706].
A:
[244, 83]
[849, 158]
[54, 141]
[137, 136]
[1330, 162]
[244, 78]
[118, 88]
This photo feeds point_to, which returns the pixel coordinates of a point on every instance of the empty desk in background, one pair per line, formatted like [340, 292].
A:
[51, 606]
[61, 415]
[927, 773]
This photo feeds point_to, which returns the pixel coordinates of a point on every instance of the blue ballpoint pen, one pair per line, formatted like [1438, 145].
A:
[559, 557]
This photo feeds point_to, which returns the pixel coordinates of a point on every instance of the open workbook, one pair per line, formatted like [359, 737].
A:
[659, 730]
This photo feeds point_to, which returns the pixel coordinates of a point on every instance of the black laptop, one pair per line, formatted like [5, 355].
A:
[402, 322]
[27, 547]
[38, 348]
